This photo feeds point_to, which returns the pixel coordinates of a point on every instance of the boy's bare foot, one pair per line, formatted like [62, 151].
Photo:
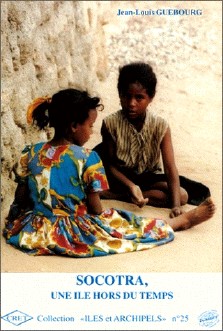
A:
[193, 217]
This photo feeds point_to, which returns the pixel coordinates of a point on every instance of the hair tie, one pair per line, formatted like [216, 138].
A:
[35, 103]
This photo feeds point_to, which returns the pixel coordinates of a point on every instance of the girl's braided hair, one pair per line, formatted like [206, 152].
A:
[65, 107]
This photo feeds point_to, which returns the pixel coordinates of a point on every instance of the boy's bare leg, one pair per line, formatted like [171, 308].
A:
[193, 217]
[158, 195]
[157, 198]
[113, 196]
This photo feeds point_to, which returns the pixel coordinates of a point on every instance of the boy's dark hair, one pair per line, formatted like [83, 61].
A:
[66, 107]
[137, 72]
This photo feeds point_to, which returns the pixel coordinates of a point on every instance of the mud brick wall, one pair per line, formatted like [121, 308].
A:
[46, 46]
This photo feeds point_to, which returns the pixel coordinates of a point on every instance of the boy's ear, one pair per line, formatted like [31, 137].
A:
[151, 99]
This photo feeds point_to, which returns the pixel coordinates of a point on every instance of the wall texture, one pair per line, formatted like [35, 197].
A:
[46, 46]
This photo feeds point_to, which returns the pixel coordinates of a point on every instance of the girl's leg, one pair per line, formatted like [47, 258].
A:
[193, 217]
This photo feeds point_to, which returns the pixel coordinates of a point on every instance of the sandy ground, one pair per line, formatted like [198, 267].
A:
[189, 96]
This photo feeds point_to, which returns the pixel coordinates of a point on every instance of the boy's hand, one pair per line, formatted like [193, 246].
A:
[137, 196]
[176, 211]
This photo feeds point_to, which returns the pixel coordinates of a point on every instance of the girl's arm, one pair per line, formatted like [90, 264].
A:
[171, 172]
[94, 203]
[21, 202]
[22, 194]
[135, 191]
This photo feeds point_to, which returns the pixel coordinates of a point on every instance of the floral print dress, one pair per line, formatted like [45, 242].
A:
[58, 179]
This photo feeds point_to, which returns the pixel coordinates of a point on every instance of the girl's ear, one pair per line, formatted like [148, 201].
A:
[73, 127]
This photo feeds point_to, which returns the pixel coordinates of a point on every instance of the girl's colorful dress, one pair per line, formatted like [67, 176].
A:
[59, 223]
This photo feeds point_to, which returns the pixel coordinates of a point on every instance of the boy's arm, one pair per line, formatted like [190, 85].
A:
[110, 148]
[171, 172]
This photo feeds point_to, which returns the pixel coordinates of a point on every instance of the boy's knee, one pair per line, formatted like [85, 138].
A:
[183, 196]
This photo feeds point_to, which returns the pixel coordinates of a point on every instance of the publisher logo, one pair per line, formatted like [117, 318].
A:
[17, 317]
[209, 318]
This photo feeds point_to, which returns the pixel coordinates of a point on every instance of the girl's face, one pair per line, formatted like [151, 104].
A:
[135, 101]
[82, 132]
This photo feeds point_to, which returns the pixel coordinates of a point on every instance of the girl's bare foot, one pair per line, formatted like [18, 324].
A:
[193, 217]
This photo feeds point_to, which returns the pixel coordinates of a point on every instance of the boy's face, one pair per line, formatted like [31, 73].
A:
[135, 101]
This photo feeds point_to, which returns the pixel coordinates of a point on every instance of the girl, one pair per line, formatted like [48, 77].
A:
[57, 209]
[133, 139]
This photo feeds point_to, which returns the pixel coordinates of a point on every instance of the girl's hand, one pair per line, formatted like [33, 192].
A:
[94, 203]
[137, 196]
[176, 211]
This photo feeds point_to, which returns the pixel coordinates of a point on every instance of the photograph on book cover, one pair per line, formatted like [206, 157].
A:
[166, 106]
